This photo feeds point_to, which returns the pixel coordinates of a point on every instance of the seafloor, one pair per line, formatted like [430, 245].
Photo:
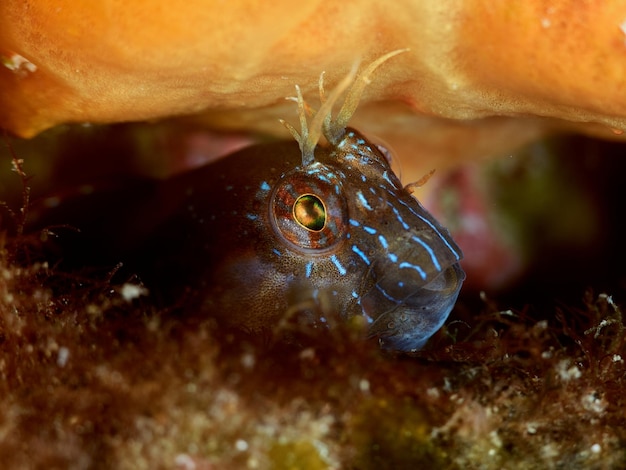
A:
[92, 375]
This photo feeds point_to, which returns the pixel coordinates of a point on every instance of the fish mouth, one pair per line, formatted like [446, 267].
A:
[405, 323]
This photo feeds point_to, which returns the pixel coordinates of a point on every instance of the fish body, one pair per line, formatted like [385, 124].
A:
[378, 253]
[225, 238]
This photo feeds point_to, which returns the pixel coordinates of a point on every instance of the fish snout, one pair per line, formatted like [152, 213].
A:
[409, 317]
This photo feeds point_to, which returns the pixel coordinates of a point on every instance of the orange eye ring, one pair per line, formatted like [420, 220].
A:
[308, 209]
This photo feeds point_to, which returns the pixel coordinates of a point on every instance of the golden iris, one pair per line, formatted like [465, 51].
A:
[309, 211]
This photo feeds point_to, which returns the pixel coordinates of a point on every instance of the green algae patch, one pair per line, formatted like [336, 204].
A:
[390, 434]
[298, 455]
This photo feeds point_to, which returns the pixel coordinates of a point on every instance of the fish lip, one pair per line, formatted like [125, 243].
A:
[407, 324]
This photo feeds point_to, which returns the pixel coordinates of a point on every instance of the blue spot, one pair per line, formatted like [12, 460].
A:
[309, 269]
[359, 252]
[363, 178]
[265, 186]
[276, 252]
[337, 263]
[383, 242]
[369, 230]
[252, 216]
[354, 223]
[421, 272]
[363, 201]
[400, 284]
[355, 295]
[393, 257]
[430, 251]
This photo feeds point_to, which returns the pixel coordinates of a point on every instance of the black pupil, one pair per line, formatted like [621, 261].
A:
[309, 211]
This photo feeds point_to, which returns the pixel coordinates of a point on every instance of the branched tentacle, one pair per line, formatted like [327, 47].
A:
[322, 121]
[336, 128]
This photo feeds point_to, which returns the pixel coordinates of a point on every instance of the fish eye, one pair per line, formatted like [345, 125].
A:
[310, 212]
[308, 209]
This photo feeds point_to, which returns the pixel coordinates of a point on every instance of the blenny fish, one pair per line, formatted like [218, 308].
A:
[287, 228]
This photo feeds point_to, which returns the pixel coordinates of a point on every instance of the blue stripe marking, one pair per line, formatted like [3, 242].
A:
[421, 272]
[337, 263]
[309, 269]
[383, 242]
[398, 216]
[387, 178]
[354, 222]
[430, 251]
[363, 201]
[369, 230]
[359, 252]
[430, 224]
[325, 178]
[384, 292]
[393, 257]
